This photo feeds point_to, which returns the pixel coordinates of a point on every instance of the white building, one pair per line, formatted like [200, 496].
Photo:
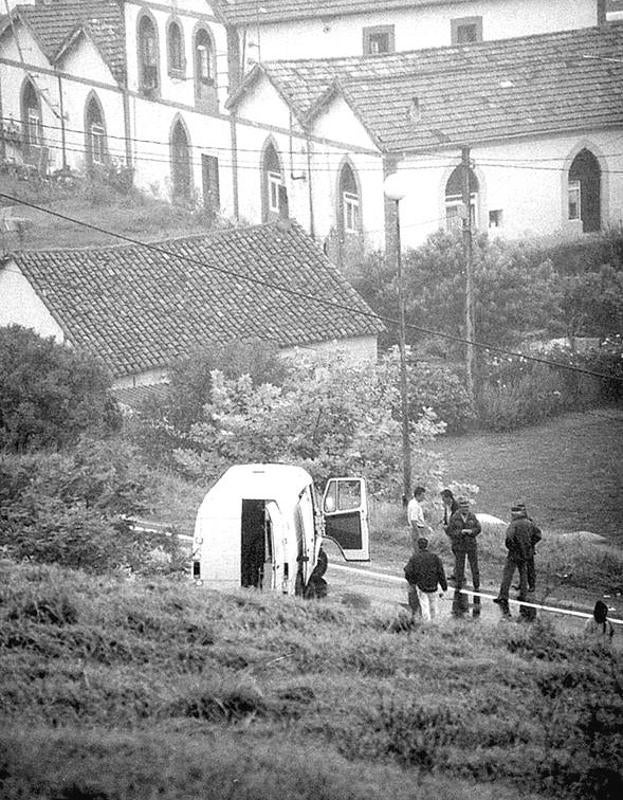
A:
[283, 29]
[141, 86]
[541, 115]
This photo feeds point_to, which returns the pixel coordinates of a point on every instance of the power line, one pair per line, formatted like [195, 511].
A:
[517, 163]
[307, 296]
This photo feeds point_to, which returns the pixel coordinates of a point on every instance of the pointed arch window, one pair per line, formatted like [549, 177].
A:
[584, 191]
[175, 49]
[350, 211]
[275, 202]
[205, 69]
[96, 146]
[181, 176]
[31, 116]
[454, 199]
[148, 75]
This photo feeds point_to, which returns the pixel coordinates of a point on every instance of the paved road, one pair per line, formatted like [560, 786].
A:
[372, 585]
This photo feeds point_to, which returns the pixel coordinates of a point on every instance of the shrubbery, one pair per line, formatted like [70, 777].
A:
[49, 393]
[71, 508]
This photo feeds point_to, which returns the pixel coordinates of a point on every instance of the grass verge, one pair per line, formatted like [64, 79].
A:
[116, 688]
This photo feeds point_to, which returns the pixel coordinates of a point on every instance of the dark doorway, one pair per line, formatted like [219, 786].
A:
[210, 181]
[253, 538]
[585, 174]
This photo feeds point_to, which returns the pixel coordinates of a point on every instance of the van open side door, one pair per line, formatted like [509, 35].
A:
[345, 512]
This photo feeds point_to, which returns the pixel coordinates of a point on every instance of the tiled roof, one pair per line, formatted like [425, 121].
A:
[138, 308]
[243, 12]
[533, 85]
[53, 25]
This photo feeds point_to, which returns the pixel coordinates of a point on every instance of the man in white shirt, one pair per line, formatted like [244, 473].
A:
[415, 516]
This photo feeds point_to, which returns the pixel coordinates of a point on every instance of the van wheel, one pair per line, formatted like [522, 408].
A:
[299, 585]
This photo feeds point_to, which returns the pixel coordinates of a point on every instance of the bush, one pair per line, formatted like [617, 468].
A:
[49, 393]
[441, 388]
[71, 508]
[514, 391]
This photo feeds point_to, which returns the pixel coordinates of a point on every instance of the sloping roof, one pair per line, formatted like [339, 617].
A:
[53, 25]
[487, 91]
[244, 12]
[138, 307]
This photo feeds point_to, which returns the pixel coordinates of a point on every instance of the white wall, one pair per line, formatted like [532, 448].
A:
[189, 14]
[527, 180]
[20, 305]
[415, 28]
[355, 350]
[81, 70]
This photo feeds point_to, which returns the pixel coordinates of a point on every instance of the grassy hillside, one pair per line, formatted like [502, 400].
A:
[150, 688]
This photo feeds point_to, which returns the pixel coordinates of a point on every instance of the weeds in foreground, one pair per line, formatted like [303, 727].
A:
[89, 662]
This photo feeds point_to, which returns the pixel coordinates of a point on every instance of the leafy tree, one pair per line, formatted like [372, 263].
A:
[330, 419]
[593, 303]
[49, 393]
[164, 420]
[515, 294]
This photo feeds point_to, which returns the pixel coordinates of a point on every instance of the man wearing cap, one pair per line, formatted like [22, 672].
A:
[462, 531]
[425, 574]
[522, 536]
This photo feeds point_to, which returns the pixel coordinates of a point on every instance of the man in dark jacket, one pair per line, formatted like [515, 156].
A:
[462, 530]
[522, 536]
[424, 573]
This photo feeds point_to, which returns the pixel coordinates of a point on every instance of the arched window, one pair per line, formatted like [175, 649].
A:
[275, 194]
[95, 131]
[31, 117]
[454, 199]
[349, 204]
[584, 191]
[175, 49]
[148, 76]
[181, 177]
[205, 69]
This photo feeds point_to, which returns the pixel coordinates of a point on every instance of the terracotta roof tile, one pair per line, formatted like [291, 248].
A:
[139, 308]
[467, 94]
[54, 24]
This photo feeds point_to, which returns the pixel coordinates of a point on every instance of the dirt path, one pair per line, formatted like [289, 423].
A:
[569, 470]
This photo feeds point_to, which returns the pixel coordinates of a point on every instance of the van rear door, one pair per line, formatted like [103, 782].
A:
[345, 512]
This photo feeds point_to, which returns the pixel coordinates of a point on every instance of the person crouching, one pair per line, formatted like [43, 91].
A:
[425, 574]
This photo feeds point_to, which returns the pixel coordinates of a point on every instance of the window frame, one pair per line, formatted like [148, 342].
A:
[32, 116]
[379, 30]
[176, 70]
[352, 212]
[146, 68]
[455, 221]
[574, 188]
[273, 181]
[464, 22]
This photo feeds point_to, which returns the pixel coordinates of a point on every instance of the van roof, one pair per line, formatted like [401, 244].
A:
[279, 482]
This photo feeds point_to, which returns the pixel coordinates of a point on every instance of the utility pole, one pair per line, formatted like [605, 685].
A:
[468, 251]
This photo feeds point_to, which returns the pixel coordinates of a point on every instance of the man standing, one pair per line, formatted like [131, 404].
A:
[415, 516]
[462, 530]
[522, 536]
[424, 573]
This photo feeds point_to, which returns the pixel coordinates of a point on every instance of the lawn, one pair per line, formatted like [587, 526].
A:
[568, 471]
[115, 689]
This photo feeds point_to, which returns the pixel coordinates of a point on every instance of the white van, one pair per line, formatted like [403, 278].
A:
[261, 525]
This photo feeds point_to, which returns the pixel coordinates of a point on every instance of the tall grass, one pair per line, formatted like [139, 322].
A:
[144, 688]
